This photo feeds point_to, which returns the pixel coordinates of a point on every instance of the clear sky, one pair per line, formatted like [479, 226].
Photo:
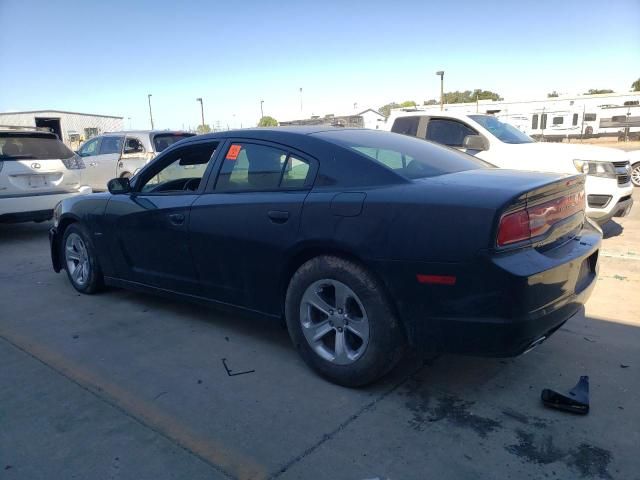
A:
[106, 56]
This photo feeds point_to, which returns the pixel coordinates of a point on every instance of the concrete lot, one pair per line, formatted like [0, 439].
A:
[128, 386]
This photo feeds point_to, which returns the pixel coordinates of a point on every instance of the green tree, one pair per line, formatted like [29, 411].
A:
[596, 91]
[407, 104]
[469, 96]
[386, 109]
[203, 129]
[268, 121]
[636, 85]
[553, 94]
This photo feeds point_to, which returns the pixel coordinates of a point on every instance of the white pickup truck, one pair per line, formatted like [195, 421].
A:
[608, 186]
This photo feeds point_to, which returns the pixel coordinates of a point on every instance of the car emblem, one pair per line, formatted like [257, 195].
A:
[35, 165]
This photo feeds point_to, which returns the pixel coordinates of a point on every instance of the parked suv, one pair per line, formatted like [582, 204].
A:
[122, 154]
[608, 184]
[37, 171]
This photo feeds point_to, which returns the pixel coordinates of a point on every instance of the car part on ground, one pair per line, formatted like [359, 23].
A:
[577, 401]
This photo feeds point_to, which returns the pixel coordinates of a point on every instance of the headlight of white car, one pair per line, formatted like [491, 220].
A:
[595, 168]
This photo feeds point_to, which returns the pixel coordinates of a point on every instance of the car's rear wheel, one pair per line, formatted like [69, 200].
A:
[80, 260]
[635, 174]
[341, 322]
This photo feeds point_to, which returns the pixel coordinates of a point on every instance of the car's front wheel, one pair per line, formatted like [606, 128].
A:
[80, 260]
[341, 322]
[635, 174]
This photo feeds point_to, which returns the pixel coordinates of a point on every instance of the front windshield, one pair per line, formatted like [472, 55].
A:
[503, 131]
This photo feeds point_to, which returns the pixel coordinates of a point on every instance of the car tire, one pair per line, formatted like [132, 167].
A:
[80, 261]
[635, 174]
[362, 338]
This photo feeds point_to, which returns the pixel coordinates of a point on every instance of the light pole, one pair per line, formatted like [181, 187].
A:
[261, 110]
[300, 99]
[441, 73]
[201, 110]
[150, 114]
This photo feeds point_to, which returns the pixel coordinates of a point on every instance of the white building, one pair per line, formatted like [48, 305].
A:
[72, 127]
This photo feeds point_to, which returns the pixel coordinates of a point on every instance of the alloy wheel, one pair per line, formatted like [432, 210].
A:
[334, 321]
[77, 258]
[635, 175]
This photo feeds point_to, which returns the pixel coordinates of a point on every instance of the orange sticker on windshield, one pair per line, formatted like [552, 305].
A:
[233, 152]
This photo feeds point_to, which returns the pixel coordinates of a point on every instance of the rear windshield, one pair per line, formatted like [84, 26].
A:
[19, 147]
[408, 156]
[163, 141]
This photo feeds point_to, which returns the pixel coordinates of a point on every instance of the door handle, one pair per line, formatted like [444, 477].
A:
[176, 218]
[278, 216]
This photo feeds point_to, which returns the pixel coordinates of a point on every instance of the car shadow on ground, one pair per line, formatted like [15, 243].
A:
[611, 229]
[23, 231]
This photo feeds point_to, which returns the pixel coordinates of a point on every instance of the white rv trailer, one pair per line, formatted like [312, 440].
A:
[563, 117]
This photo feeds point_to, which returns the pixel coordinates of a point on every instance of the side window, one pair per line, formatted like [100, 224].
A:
[543, 121]
[389, 158]
[534, 121]
[133, 145]
[406, 125]
[558, 120]
[249, 166]
[296, 172]
[183, 173]
[448, 132]
[90, 148]
[110, 145]
[575, 119]
[589, 117]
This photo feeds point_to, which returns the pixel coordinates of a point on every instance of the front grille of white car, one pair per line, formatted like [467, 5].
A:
[623, 172]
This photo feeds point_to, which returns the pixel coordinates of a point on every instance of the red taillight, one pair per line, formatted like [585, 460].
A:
[534, 221]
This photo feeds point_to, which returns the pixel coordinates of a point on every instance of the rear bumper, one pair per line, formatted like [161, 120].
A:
[501, 303]
[34, 206]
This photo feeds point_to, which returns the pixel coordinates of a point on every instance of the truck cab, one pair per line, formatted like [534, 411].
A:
[608, 184]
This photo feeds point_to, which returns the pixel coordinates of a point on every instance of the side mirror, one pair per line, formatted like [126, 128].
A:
[474, 142]
[118, 186]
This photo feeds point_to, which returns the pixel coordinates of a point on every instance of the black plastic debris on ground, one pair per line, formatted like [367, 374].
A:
[577, 401]
[231, 373]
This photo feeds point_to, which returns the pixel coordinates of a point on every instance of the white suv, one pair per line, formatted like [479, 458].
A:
[608, 184]
[36, 171]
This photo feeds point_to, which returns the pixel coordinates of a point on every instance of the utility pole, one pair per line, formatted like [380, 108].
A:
[261, 110]
[201, 110]
[150, 113]
[300, 99]
[441, 73]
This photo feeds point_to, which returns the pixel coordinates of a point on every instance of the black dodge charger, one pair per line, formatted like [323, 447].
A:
[364, 241]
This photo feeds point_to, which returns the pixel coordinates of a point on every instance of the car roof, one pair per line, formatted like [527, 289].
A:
[435, 113]
[27, 133]
[145, 132]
